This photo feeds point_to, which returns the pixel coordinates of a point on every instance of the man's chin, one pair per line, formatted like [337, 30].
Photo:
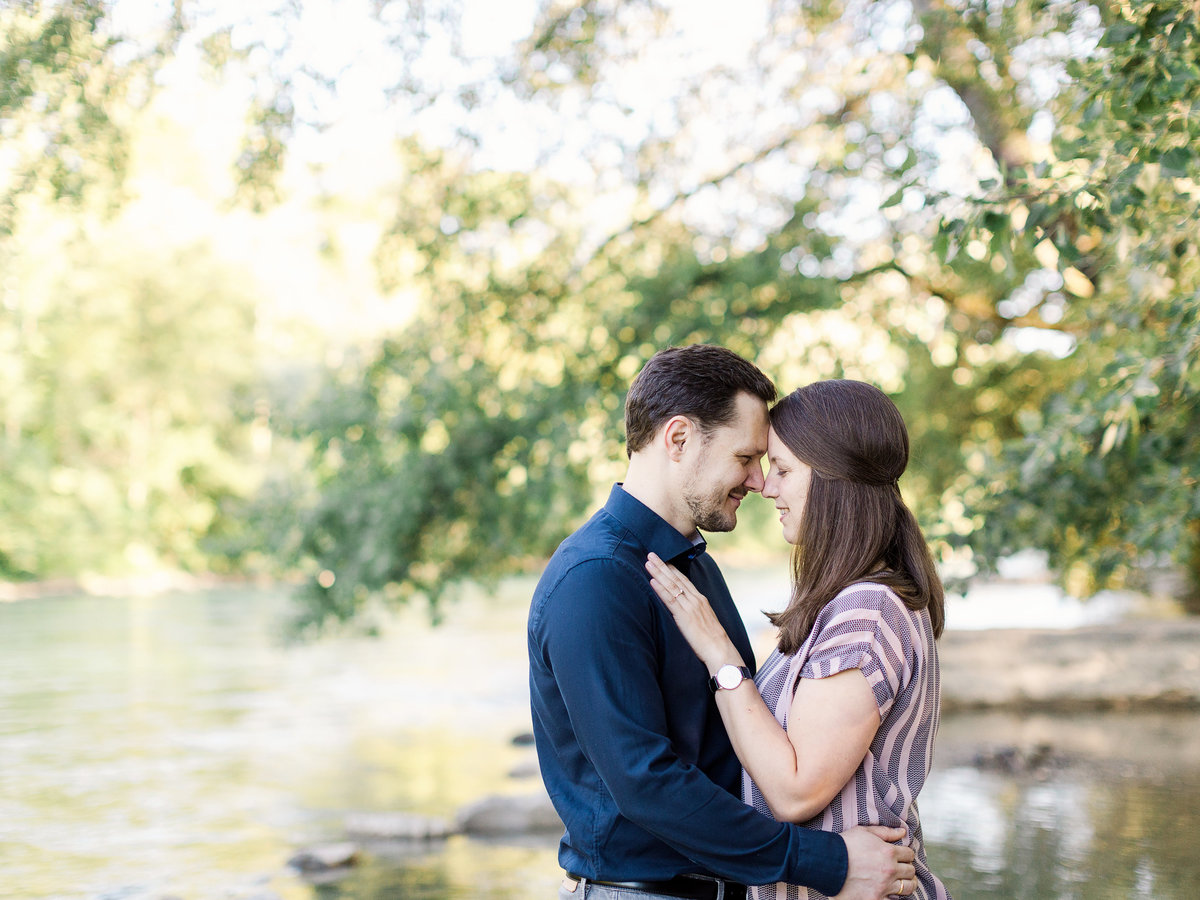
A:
[718, 523]
[716, 517]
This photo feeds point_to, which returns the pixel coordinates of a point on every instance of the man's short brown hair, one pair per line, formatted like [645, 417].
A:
[700, 381]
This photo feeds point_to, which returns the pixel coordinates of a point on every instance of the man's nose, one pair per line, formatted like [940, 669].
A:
[754, 481]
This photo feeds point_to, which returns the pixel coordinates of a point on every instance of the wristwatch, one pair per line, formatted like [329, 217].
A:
[728, 677]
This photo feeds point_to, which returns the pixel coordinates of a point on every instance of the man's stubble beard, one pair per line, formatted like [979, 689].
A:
[713, 520]
[708, 510]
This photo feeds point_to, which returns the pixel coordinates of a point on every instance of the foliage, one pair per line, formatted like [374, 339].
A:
[65, 83]
[464, 446]
[124, 411]
[986, 208]
[1104, 474]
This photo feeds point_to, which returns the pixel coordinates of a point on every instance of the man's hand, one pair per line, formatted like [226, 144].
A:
[878, 869]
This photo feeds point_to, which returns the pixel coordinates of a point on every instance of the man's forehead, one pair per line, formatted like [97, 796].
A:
[753, 445]
[747, 432]
[751, 449]
[752, 424]
[746, 438]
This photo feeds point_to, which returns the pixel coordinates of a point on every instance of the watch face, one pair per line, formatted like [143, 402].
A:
[729, 677]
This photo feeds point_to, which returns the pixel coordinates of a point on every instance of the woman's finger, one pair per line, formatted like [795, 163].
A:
[669, 593]
[664, 591]
[656, 566]
[672, 580]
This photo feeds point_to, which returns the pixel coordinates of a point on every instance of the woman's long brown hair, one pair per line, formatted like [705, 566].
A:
[856, 526]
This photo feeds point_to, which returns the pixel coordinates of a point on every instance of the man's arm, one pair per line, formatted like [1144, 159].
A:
[599, 639]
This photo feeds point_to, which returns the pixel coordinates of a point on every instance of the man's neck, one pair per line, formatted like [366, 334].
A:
[652, 489]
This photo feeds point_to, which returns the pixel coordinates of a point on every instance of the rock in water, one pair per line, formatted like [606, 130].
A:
[325, 857]
[527, 768]
[503, 815]
[397, 826]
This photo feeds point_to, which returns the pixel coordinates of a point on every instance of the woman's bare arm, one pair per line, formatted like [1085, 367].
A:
[832, 721]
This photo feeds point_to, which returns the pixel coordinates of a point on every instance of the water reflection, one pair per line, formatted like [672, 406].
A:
[459, 869]
[990, 835]
[1073, 836]
[174, 746]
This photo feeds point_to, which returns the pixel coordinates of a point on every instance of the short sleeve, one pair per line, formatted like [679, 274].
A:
[864, 627]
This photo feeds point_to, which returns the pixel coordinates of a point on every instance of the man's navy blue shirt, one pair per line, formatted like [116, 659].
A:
[630, 742]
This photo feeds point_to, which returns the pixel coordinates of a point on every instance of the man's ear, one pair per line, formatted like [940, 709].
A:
[675, 434]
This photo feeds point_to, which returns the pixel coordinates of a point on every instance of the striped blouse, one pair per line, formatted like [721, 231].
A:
[868, 627]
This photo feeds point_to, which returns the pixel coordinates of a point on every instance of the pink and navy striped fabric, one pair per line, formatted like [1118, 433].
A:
[868, 627]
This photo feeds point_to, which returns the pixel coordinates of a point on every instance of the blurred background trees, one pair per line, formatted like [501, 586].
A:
[382, 329]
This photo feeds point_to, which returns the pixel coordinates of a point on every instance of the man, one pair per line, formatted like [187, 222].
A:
[630, 743]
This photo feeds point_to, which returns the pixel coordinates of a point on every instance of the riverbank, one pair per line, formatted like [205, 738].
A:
[1127, 661]
[146, 584]
[1144, 665]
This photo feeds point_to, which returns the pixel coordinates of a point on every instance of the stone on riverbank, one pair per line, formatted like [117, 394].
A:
[324, 858]
[492, 816]
[398, 826]
[509, 815]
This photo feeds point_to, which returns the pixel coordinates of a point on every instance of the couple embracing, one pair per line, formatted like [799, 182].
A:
[680, 771]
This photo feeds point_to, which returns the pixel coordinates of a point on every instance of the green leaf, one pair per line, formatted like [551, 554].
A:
[1119, 34]
[941, 246]
[1175, 162]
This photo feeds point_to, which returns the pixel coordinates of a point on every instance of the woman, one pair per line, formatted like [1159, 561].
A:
[840, 729]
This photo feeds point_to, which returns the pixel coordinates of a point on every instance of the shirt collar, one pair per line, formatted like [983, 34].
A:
[651, 529]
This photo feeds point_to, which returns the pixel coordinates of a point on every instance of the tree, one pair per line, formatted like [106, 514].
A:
[67, 84]
[846, 198]
[463, 446]
[1104, 474]
[132, 418]
[970, 203]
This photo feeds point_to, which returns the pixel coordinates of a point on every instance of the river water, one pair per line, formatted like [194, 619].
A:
[177, 746]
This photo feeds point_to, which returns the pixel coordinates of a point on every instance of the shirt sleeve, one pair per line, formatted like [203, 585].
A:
[599, 638]
[862, 628]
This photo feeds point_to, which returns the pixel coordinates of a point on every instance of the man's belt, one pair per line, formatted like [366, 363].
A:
[679, 886]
